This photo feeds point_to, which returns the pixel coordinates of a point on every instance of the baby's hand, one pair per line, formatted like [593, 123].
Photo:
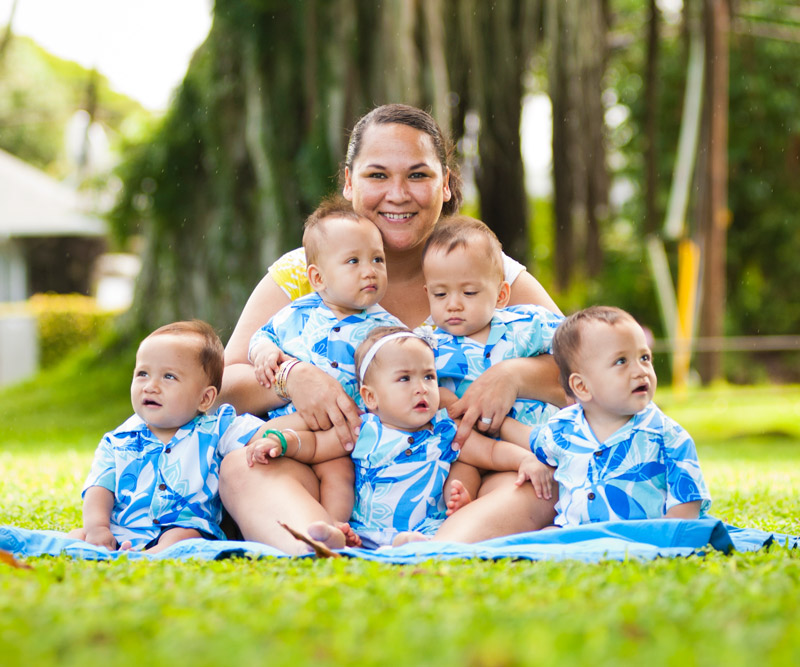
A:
[263, 450]
[539, 474]
[101, 537]
[267, 358]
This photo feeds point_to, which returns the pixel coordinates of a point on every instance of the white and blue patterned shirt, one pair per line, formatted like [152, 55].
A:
[158, 486]
[400, 478]
[516, 331]
[310, 331]
[644, 469]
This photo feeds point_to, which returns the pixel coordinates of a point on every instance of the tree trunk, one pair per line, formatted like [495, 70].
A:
[714, 224]
[577, 35]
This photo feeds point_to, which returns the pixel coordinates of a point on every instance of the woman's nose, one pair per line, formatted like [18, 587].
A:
[398, 192]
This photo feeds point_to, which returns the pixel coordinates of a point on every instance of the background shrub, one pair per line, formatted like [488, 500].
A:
[66, 322]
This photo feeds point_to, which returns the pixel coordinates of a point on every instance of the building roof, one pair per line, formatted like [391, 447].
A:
[35, 204]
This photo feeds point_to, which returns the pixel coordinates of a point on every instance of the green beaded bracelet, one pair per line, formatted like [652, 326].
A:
[281, 437]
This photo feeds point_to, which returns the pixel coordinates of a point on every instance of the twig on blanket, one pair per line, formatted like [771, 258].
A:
[320, 550]
[8, 559]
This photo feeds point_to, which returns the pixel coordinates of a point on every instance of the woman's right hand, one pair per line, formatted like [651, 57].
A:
[323, 403]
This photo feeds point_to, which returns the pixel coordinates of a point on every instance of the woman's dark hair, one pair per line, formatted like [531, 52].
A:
[402, 114]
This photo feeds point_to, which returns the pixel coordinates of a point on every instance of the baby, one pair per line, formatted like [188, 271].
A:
[615, 454]
[476, 328]
[154, 480]
[347, 270]
[404, 447]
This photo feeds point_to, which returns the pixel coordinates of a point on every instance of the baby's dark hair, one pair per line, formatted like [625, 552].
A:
[568, 337]
[372, 338]
[334, 206]
[211, 352]
[402, 114]
[461, 231]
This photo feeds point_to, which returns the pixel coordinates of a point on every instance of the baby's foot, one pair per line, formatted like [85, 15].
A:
[330, 536]
[459, 497]
[409, 536]
[351, 538]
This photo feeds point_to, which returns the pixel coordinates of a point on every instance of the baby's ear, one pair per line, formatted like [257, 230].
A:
[504, 295]
[315, 277]
[368, 397]
[208, 398]
[579, 388]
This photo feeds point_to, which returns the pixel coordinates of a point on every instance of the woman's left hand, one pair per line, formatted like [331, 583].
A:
[485, 403]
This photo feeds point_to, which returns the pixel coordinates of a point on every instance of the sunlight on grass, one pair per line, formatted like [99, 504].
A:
[717, 609]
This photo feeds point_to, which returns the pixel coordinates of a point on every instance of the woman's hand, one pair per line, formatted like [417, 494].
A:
[323, 403]
[485, 404]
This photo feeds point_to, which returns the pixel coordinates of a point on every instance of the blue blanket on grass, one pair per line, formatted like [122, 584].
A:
[612, 540]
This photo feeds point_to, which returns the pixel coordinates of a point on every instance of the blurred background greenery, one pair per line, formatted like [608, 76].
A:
[211, 192]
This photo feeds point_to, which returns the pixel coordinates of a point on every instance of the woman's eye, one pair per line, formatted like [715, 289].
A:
[417, 175]
[376, 174]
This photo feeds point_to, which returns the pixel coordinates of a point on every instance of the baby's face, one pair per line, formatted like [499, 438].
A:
[400, 386]
[463, 290]
[352, 268]
[169, 386]
[616, 367]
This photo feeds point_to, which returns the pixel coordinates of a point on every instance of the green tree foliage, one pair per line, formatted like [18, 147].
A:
[253, 138]
[39, 93]
[764, 165]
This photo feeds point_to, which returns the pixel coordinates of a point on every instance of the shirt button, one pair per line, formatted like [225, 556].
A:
[162, 487]
[334, 364]
[487, 355]
[408, 452]
[168, 450]
[411, 440]
[156, 521]
[598, 454]
[590, 496]
[337, 329]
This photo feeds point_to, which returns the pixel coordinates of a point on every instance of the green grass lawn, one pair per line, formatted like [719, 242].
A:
[715, 610]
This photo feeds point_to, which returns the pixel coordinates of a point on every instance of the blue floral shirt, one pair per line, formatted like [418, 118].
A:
[516, 331]
[158, 486]
[400, 478]
[308, 330]
[647, 467]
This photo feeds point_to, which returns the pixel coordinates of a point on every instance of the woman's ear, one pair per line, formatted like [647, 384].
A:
[315, 277]
[368, 396]
[446, 194]
[503, 295]
[580, 388]
[347, 190]
[208, 398]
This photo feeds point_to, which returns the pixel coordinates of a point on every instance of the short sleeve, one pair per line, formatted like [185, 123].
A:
[235, 431]
[685, 482]
[541, 443]
[511, 269]
[104, 467]
[289, 273]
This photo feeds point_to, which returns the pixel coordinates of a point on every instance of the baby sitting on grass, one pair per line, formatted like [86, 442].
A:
[616, 455]
[155, 479]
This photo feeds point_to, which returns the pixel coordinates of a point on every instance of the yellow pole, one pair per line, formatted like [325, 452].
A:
[688, 273]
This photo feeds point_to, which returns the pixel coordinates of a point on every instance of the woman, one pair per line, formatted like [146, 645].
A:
[397, 173]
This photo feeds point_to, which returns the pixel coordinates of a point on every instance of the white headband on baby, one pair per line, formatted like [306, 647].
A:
[370, 355]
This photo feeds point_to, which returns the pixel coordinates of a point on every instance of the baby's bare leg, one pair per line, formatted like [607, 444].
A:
[409, 536]
[461, 485]
[336, 487]
[171, 536]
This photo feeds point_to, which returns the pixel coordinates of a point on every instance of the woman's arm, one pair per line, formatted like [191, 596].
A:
[494, 391]
[239, 385]
[527, 290]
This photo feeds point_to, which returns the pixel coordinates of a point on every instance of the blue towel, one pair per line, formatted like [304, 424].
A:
[612, 540]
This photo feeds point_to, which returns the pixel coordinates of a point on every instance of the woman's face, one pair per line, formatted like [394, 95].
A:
[398, 182]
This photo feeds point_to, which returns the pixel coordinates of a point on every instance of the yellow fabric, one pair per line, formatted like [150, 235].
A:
[289, 273]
